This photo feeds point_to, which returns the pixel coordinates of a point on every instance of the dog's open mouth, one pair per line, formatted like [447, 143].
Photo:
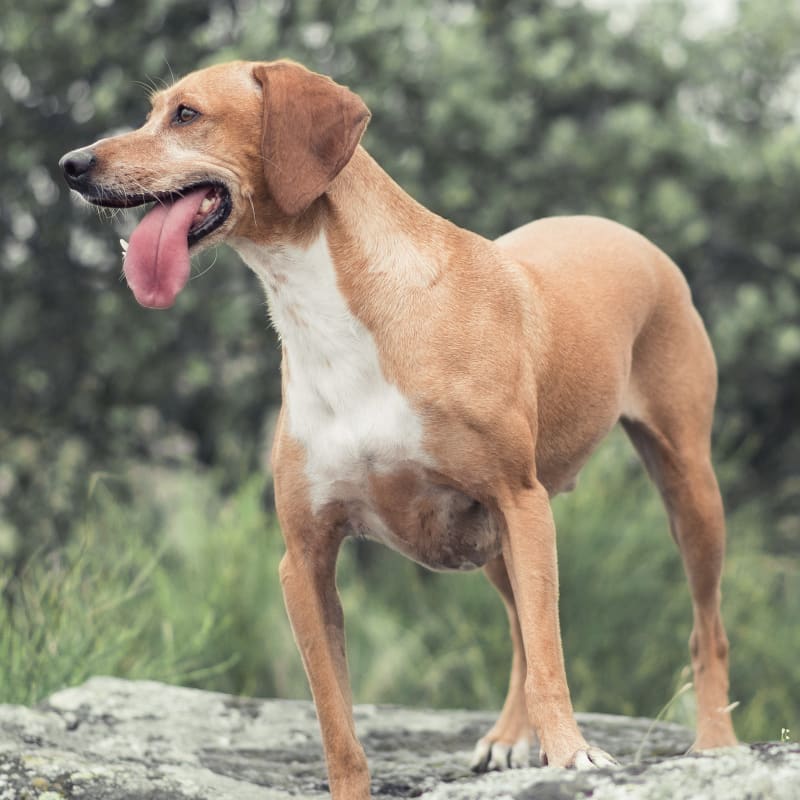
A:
[157, 258]
[213, 211]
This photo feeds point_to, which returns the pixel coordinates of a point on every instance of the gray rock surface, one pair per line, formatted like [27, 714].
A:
[123, 740]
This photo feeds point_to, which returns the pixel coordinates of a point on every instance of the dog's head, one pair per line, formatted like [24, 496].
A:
[228, 151]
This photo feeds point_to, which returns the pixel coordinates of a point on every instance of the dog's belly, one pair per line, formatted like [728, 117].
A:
[368, 470]
[435, 525]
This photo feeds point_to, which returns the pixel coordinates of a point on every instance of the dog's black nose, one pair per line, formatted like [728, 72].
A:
[76, 165]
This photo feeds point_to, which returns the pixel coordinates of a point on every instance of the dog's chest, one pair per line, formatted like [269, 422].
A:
[362, 439]
[349, 419]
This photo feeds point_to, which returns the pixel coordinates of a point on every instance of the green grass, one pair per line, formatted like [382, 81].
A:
[178, 583]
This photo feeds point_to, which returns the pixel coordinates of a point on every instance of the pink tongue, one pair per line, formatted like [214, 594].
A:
[157, 263]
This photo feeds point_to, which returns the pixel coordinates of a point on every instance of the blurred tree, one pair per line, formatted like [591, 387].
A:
[491, 112]
[88, 376]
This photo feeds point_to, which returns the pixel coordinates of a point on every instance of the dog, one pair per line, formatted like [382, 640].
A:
[438, 388]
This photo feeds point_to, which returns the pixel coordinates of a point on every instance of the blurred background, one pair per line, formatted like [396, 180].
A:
[137, 534]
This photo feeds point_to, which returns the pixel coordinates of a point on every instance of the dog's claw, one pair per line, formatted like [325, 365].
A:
[520, 755]
[593, 758]
[481, 756]
[491, 756]
[499, 758]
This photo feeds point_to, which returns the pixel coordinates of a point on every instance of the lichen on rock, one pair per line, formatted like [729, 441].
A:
[112, 739]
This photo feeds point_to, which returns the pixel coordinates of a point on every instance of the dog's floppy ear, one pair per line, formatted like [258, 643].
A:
[310, 129]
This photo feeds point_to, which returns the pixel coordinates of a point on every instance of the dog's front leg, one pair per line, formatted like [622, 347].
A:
[312, 601]
[529, 550]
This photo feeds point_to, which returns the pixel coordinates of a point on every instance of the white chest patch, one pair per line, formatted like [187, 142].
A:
[348, 417]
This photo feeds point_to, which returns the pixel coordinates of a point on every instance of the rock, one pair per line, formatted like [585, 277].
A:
[125, 740]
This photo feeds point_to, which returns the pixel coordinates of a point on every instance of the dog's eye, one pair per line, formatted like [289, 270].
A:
[184, 115]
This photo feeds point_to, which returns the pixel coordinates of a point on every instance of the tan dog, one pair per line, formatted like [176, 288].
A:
[438, 388]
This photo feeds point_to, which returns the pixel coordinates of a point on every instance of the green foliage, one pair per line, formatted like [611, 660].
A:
[189, 595]
[88, 609]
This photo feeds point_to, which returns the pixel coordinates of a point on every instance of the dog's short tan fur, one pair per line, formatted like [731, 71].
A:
[515, 358]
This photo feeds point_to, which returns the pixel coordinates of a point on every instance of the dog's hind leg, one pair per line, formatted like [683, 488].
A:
[688, 485]
[674, 385]
[507, 744]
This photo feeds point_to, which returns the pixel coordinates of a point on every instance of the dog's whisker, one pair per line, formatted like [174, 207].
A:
[151, 86]
[253, 208]
[208, 268]
[147, 87]
[169, 67]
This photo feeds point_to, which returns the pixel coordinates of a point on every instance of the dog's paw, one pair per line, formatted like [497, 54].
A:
[584, 759]
[492, 755]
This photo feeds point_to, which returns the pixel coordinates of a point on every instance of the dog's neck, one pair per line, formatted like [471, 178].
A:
[366, 247]
[381, 229]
